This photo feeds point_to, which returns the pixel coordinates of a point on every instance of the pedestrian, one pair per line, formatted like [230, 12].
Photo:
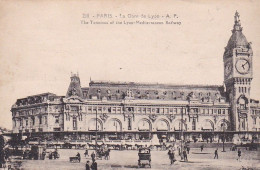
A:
[185, 156]
[94, 165]
[86, 152]
[43, 155]
[78, 155]
[93, 156]
[188, 150]
[216, 154]
[87, 166]
[169, 154]
[201, 148]
[172, 157]
[239, 155]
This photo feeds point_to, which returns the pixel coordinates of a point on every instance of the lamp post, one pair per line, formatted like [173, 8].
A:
[182, 133]
[96, 132]
[224, 126]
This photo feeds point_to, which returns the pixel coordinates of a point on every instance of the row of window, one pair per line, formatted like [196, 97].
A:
[255, 112]
[30, 112]
[95, 109]
[31, 121]
[242, 90]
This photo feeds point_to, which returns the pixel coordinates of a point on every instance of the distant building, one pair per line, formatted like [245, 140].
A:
[142, 111]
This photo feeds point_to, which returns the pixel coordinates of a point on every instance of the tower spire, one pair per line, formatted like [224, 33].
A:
[237, 24]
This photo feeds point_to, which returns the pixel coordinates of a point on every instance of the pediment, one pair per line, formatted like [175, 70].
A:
[73, 99]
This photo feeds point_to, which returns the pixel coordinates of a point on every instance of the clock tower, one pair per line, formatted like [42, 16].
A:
[238, 74]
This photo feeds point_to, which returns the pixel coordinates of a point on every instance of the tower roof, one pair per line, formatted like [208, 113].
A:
[237, 38]
[75, 87]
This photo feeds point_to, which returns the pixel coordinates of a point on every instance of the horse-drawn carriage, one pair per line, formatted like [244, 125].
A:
[103, 153]
[144, 157]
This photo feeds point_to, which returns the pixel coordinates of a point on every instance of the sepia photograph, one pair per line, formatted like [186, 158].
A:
[111, 85]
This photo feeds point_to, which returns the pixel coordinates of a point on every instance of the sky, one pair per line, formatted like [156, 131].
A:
[42, 42]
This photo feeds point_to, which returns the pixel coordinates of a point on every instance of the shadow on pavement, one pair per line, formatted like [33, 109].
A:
[200, 153]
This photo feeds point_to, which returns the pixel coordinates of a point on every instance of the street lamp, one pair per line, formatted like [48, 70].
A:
[182, 133]
[96, 132]
[223, 126]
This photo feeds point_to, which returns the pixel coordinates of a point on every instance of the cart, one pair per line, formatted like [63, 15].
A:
[144, 157]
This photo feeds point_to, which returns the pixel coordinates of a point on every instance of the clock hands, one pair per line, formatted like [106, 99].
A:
[243, 65]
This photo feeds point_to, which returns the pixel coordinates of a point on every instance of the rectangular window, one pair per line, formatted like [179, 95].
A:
[223, 111]
[46, 120]
[162, 110]
[40, 120]
[129, 124]
[26, 122]
[184, 111]
[219, 111]
[157, 110]
[56, 119]
[114, 109]
[193, 124]
[171, 110]
[33, 121]
[74, 123]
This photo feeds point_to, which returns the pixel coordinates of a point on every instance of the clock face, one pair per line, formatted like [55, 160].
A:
[242, 66]
[228, 69]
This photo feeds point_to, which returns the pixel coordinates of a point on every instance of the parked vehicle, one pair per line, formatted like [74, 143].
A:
[144, 157]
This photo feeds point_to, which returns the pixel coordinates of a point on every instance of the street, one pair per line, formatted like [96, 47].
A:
[128, 159]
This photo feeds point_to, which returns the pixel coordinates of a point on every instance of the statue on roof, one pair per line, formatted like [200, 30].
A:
[237, 17]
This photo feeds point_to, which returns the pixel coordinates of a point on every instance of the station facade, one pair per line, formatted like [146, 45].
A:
[143, 111]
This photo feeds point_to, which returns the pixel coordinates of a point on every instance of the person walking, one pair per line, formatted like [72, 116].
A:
[87, 166]
[93, 156]
[216, 154]
[201, 148]
[185, 156]
[78, 155]
[172, 157]
[239, 155]
[169, 154]
[94, 165]
[86, 152]
[188, 150]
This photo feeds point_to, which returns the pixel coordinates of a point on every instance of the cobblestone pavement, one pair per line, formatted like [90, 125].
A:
[128, 160]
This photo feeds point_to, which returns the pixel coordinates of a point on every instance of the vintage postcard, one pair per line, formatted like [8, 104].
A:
[112, 84]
